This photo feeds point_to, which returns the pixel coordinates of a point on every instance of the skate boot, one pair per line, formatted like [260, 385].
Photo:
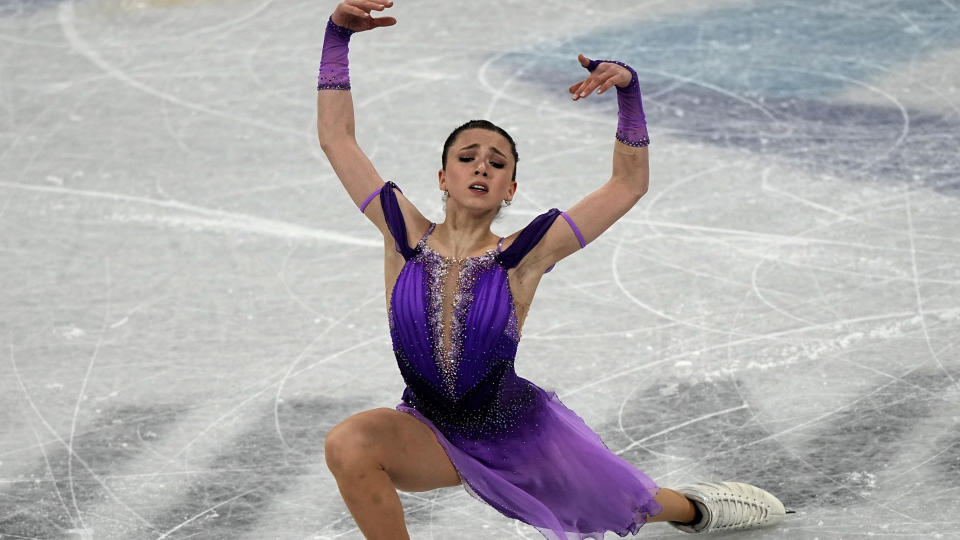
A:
[726, 506]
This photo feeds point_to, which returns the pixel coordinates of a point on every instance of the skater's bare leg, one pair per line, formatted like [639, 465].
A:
[374, 453]
[676, 507]
[372, 500]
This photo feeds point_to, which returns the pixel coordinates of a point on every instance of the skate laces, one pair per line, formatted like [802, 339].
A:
[731, 505]
[732, 509]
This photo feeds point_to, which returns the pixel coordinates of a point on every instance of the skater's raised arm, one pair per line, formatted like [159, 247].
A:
[629, 180]
[335, 116]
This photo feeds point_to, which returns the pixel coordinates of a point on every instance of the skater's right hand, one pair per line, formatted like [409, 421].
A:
[355, 14]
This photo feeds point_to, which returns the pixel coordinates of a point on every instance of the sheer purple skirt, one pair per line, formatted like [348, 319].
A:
[555, 474]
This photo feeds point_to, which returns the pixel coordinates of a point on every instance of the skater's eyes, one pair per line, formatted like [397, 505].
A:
[495, 164]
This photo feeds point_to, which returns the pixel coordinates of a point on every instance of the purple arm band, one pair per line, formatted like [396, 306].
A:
[573, 226]
[370, 198]
[334, 67]
[631, 123]
[576, 230]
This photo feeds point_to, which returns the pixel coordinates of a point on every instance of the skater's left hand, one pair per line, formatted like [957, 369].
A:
[356, 14]
[604, 76]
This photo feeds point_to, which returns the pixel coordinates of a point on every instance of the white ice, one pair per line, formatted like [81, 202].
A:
[190, 301]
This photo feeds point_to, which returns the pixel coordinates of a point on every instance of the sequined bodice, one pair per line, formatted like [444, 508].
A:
[453, 319]
[451, 295]
[454, 329]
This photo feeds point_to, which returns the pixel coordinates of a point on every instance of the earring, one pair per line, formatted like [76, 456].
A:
[507, 203]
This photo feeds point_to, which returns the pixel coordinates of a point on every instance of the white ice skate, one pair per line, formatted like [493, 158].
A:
[728, 506]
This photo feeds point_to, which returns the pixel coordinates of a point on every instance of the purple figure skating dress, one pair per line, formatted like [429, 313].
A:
[515, 446]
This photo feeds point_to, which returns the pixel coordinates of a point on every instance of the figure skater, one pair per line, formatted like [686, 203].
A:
[457, 295]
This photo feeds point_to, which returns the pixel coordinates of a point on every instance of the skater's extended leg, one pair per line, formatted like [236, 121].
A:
[725, 506]
[676, 507]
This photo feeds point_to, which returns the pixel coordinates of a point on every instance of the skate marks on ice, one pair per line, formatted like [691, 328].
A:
[51, 499]
[870, 449]
[789, 96]
[889, 448]
[239, 486]
[110, 493]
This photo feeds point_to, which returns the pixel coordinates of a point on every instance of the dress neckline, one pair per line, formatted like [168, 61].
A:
[423, 243]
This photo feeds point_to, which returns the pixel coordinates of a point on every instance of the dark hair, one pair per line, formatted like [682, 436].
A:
[481, 124]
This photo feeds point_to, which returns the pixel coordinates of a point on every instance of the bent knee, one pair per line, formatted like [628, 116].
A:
[358, 441]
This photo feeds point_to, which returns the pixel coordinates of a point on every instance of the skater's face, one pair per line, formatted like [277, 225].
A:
[479, 169]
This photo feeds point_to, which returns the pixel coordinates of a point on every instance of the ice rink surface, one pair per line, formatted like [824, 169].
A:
[190, 300]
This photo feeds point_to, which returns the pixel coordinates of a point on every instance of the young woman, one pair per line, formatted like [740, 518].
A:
[457, 295]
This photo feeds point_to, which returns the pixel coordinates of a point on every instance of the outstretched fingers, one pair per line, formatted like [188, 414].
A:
[604, 76]
[596, 80]
[355, 14]
[380, 5]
